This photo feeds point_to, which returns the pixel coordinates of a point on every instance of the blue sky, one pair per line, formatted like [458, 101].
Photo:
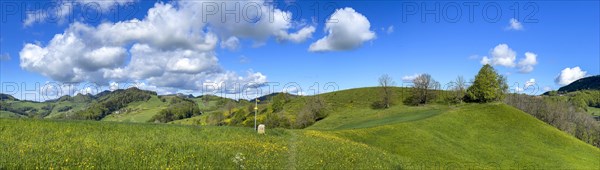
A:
[561, 39]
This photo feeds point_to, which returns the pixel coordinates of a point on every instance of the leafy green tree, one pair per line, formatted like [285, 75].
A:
[278, 102]
[502, 87]
[488, 86]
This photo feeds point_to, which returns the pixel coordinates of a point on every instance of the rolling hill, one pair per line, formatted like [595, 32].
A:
[269, 97]
[352, 136]
[67, 107]
[586, 83]
[7, 97]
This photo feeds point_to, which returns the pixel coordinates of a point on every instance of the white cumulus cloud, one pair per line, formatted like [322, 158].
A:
[170, 48]
[569, 75]
[258, 22]
[410, 78]
[232, 43]
[514, 24]
[104, 4]
[526, 64]
[299, 36]
[64, 8]
[113, 86]
[501, 55]
[530, 82]
[346, 30]
[104, 57]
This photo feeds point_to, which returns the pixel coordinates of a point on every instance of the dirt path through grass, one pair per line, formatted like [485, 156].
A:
[292, 146]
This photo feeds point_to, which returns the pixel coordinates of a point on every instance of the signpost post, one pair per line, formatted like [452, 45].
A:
[255, 111]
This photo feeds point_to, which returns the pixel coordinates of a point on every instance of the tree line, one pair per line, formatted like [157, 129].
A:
[560, 114]
[273, 111]
[179, 108]
[487, 86]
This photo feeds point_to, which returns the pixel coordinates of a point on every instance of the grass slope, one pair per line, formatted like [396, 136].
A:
[353, 136]
[480, 136]
[489, 135]
[366, 117]
[141, 111]
[28, 108]
[75, 106]
[7, 114]
[110, 145]
[594, 111]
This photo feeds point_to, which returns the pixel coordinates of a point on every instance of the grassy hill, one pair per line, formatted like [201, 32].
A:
[7, 114]
[6, 97]
[67, 105]
[586, 83]
[269, 97]
[489, 135]
[18, 108]
[140, 111]
[352, 136]
[136, 110]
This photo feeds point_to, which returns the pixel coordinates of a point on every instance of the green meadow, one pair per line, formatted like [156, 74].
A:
[465, 136]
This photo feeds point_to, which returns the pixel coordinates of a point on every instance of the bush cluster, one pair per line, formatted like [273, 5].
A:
[179, 108]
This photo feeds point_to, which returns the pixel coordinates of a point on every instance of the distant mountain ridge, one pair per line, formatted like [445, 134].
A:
[586, 83]
[7, 97]
[268, 97]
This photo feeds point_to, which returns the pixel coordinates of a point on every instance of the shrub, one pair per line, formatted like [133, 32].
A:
[313, 110]
[277, 119]
[378, 105]
[216, 118]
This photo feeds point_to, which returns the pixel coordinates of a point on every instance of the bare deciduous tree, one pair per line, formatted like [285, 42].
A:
[460, 86]
[422, 85]
[386, 82]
